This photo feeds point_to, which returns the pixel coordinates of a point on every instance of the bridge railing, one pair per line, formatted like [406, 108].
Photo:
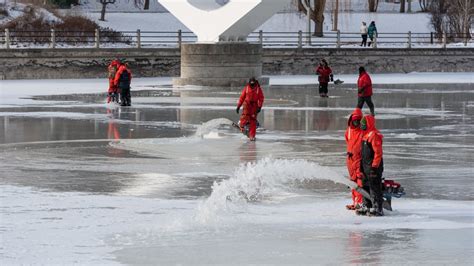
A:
[172, 39]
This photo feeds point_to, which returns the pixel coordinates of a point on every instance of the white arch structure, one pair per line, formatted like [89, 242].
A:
[233, 21]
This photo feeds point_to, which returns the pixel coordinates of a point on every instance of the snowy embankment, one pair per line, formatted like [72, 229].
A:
[281, 22]
[395, 78]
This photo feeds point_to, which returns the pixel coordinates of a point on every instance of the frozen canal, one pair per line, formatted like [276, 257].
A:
[89, 183]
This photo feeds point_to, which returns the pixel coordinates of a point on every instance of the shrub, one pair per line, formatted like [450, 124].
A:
[3, 12]
[34, 27]
[64, 3]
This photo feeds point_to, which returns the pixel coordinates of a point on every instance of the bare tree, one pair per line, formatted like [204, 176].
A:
[336, 16]
[373, 4]
[424, 5]
[104, 6]
[452, 17]
[316, 13]
[144, 3]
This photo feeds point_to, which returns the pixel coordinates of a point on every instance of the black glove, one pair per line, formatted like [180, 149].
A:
[238, 109]
[332, 77]
[349, 154]
[259, 109]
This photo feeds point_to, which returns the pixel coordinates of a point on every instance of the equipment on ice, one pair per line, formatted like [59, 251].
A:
[338, 82]
[390, 189]
[245, 129]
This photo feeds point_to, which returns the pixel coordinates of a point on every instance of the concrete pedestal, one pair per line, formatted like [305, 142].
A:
[220, 64]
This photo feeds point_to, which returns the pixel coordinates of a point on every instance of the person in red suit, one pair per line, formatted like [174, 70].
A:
[353, 138]
[113, 92]
[372, 166]
[251, 99]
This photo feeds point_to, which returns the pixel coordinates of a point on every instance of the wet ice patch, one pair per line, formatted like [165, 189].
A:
[149, 183]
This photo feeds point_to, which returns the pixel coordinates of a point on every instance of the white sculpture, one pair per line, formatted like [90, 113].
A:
[233, 21]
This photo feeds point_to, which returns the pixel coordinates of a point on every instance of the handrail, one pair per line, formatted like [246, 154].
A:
[172, 39]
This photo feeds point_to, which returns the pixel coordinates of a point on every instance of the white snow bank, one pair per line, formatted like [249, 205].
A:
[13, 92]
[281, 22]
[16, 10]
[395, 78]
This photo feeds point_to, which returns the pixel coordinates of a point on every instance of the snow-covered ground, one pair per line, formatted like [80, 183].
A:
[281, 22]
[84, 182]
[344, 5]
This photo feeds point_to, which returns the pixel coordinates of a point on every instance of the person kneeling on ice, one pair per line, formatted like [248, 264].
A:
[113, 92]
[252, 99]
[372, 165]
[122, 80]
[354, 140]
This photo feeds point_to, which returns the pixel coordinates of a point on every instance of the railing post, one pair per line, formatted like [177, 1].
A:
[431, 37]
[53, 39]
[409, 40]
[300, 39]
[97, 38]
[260, 37]
[375, 41]
[338, 42]
[445, 40]
[180, 38]
[7, 38]
[139, 39]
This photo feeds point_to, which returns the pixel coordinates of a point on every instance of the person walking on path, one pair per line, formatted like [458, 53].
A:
[363, 33]
[364, 93]
[325, 75]
[372, 31]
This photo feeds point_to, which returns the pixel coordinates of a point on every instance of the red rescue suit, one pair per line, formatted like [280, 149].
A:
[251, 99]
[364, 83]
[354, 140]
[372, 164]
[112, 70]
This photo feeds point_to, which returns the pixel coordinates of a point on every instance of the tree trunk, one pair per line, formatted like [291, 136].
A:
[102, 12]
[336, 16]
[319, 17]
[316, 14]
[409, 6]
[402, 6]
[146, 6]
[371, 6]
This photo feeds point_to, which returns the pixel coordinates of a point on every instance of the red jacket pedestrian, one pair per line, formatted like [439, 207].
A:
[324, 73]
[364, 93]
[364, 84]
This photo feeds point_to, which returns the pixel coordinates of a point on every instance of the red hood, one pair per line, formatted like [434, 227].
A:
[357, 114]
[370, 122]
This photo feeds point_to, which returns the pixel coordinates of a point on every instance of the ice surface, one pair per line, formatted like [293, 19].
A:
[84, 182]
